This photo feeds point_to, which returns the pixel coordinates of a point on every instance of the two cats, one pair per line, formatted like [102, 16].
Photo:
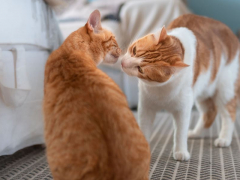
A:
[194, 59]
[90, 132]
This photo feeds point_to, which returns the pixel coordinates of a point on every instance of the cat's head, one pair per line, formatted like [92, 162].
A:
[101, 41]
[154, 58]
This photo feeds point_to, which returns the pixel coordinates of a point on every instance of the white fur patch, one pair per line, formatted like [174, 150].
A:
[130, 64]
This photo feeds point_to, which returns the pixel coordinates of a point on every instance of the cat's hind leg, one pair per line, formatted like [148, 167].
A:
[226, 101]
[208, 112]
[228, 115]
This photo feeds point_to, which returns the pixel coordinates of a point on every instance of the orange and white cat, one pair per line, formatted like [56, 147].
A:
[194, 59]
[90, 132]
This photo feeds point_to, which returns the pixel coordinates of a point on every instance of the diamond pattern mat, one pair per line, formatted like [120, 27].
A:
[207, 161]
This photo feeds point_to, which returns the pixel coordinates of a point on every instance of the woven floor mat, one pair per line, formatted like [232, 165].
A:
[207, 161]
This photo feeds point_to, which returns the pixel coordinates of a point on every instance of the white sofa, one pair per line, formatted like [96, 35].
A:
[137, 18]
[28, 33]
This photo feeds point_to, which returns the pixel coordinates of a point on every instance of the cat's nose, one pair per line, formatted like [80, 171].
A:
[115, 56]
[122, 63]
[119, 51]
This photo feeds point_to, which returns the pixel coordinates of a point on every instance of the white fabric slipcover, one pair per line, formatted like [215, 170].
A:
[28, 33]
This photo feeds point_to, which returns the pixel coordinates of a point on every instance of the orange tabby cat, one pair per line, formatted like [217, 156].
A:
[90, 132]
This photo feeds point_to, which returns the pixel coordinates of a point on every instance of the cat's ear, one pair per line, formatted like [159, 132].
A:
[180, 64]
[94, 21]
[162, 71]
[160, 36]
[168, 70]
[177, 66]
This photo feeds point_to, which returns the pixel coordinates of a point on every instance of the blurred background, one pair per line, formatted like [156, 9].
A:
[31, 29]
[132, 19]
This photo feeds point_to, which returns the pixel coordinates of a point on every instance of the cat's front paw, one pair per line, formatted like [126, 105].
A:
[222, 142]
[181, 155]
[192, 134]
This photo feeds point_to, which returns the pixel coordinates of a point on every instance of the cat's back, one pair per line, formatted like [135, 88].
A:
[87, 111]
[214, 41]
[75, 80]
[71, 133]
[212, 33]
[199, 24]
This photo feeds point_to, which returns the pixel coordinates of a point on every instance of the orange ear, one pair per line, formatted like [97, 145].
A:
[161, 71]
[178, 66]
[172, 69]
[94, 21]
[161, 36]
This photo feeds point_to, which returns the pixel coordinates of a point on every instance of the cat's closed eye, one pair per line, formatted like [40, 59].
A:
[134, 50]
[140, 69]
